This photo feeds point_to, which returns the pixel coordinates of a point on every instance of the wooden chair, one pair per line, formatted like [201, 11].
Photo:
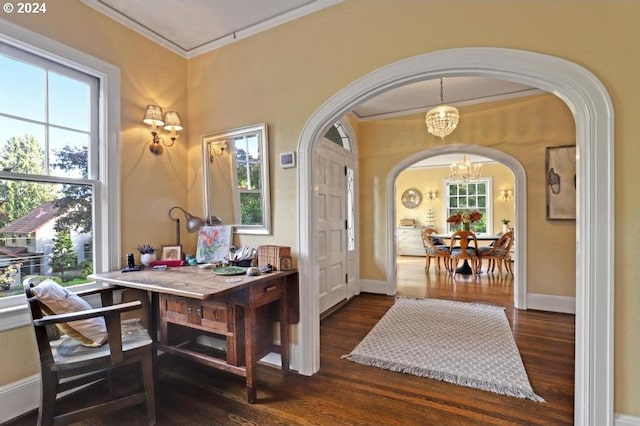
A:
[433, 250]
[467, 250]
[67, 366]
[499, 253]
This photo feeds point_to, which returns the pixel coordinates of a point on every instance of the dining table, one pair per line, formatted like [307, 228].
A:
[465, 268]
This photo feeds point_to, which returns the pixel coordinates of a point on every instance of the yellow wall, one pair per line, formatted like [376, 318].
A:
[427, 179]
[283, 75]
[150, 185]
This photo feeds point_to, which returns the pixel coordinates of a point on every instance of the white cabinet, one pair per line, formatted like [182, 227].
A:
[409, 241]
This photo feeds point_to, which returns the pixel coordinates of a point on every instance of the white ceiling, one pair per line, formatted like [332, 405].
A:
[193, 27]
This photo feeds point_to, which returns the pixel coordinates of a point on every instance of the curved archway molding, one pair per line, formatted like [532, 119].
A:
[520, 177]
[593, 113]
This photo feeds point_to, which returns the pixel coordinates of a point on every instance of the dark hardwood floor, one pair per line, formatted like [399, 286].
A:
[346, 393]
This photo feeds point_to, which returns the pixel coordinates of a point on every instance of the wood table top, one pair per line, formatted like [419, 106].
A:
[187, 281]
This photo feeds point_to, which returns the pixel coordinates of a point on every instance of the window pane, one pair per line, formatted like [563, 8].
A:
[69, 102]
[68, 148]
[23, 89]
[23, 154]
[45, 231]
[21, 143]
[250, 208]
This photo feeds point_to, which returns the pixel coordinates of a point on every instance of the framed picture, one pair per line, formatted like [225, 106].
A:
[171, 252]
[560, 169]
[213, 243]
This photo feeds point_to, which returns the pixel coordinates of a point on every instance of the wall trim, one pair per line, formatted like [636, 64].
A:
[19, 397]
[551, 303]
[375, 286]
[625, 420]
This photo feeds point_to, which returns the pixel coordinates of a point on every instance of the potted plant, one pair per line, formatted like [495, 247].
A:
[147, 254]
[505, 225]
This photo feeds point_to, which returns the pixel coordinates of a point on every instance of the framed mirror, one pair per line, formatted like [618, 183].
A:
[411, 198]
[236, 178]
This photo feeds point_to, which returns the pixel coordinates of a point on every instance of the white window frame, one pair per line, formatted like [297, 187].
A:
[489, 214]
[106, 220]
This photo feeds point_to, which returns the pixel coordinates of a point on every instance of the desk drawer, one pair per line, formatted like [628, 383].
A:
[215, 316]
[264, 293]
[210, 315]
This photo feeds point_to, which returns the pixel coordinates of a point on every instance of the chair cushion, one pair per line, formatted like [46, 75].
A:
[496, 251]
[438, 250]
[458, 251]
[68, 350]
[55, 299]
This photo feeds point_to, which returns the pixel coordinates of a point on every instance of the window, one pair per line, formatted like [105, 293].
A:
[57, 108]
[248, 178]
[468, 196]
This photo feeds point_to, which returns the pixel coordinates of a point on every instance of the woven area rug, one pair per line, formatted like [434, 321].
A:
[467, 344]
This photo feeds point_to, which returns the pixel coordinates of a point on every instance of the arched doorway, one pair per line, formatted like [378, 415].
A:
[591, 106]
[520, 265]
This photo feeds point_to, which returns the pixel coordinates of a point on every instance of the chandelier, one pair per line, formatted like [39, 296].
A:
[443, 119]
[464, 171]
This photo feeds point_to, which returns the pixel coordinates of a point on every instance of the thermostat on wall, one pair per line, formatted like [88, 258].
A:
[287, 160]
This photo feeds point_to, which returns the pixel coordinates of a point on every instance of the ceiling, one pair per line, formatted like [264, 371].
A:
[192, 27]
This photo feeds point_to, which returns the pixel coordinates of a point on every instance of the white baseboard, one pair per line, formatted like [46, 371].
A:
[548, 302]
[624, 420]
[373, 286]
[19, 397]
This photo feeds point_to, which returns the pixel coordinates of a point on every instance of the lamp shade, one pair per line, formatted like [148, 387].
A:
[172, 121]
[193, 222]
[153, 115]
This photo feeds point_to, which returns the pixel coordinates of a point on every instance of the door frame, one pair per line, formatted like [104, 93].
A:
[592, 109]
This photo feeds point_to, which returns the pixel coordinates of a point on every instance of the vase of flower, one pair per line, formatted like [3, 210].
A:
[466, 226]
[147, 254]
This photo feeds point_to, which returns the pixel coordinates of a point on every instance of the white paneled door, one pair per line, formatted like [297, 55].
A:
[336, 261]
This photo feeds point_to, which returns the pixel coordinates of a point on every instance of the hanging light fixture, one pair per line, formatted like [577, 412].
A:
[443, 119]
[464, 171]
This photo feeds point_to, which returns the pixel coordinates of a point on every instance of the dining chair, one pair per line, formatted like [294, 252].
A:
[499, 253]
[433, 250]
[80, 346]
[464, 246]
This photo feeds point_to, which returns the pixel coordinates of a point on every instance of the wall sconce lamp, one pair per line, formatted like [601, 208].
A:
[193, 222]
[431, 195]
[171, 122]
[216, 149]
[505, 194]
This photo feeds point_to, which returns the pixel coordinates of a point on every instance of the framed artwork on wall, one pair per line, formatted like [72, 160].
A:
[560, 169]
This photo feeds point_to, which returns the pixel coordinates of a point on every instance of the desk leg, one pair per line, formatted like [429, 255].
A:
[250, 352]
[284, 330]
[153, 328]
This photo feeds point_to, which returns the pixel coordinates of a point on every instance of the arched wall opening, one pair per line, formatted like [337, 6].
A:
[520, 264]
[592, 109]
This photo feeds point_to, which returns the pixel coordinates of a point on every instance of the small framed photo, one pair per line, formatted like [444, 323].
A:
[288, 160]
[171, 252]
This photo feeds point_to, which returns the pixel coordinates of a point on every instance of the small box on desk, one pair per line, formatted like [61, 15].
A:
[271, 255]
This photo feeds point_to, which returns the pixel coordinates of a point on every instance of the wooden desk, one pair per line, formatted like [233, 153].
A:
[187, 302]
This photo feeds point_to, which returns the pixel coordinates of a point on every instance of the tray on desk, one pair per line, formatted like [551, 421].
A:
[230, 270]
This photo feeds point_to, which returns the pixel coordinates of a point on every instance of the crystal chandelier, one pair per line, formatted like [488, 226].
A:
[464, 171]
[443, 119]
